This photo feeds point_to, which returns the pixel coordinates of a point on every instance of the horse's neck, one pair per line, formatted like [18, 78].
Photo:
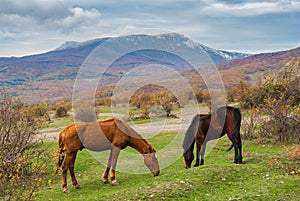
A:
[139, 144]
[191, 147]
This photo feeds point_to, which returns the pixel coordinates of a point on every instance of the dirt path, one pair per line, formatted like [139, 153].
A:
[145, 129]
[51, 134]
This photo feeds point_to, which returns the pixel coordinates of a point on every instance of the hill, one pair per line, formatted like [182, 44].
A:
[51, 75]
[247, 69]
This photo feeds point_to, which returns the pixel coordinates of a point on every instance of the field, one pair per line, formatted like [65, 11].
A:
[268, 173]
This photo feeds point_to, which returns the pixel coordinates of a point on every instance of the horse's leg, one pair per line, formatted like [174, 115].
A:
[65, 167]
[105, 174]
[202, 152]
[234, 141]
[114, 158]
[240, 148]
[71, 168]
[198, 145]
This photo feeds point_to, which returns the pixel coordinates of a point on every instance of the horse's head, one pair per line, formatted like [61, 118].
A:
[151, 161]
[188, 158]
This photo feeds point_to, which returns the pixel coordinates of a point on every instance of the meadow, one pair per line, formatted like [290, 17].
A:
[268, 173]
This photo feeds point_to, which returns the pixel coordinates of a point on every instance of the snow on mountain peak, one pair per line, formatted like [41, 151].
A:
[174, 39]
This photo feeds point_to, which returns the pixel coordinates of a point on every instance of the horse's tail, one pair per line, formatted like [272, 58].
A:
[230, 148]
[61, 154]
[189, 138]
[237, 120]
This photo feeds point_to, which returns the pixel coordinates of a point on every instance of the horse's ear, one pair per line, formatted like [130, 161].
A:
[151, 149]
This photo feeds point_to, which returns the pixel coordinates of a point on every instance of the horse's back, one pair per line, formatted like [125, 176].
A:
[96, 136]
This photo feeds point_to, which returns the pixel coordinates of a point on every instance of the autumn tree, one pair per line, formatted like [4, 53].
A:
[145, 101]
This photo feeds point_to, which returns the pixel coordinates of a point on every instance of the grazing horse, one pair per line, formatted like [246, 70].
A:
[114, 135]
[200, 132]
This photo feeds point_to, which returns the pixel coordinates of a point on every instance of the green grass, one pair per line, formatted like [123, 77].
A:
[60, 122]
[218, 179]
[104, 109]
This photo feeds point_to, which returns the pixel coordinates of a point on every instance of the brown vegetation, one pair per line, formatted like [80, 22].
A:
[21, 164]
[277, 99]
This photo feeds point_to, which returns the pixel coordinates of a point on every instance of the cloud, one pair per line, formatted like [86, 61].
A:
[79, 18]
[35, 26]
[37, 9]
[252, 9]
[33, 15]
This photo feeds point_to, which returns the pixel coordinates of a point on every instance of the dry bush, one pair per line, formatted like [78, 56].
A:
[21, 161]
[85, 112]
[278, 109]
[61, 111]
[282, 108]
[250, 124]
[294, 151]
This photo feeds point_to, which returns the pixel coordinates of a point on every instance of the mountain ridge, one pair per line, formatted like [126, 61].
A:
[67, 58]
[51, 75]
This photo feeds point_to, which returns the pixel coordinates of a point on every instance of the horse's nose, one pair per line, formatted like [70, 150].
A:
[186, 166]
[156, 173]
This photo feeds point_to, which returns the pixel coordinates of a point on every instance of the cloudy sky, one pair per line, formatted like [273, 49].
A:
[36, 26]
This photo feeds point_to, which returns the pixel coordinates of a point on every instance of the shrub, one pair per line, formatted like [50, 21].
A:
[61, 111]
[294, 151]
[276, 102]
[85, 112]
[282, 109]
[21, 164]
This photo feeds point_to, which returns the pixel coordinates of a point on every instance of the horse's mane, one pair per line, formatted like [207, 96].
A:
[127, 129]
[189, 138]
[131, 132]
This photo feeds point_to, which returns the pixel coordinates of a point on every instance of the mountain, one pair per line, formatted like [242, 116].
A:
[52, 74]
[249, 68]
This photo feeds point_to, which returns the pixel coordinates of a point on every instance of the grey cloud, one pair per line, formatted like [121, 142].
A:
[37, 9]
[251, 8]
[52, 15]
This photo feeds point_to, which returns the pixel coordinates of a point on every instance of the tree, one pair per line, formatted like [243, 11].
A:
[167, 101]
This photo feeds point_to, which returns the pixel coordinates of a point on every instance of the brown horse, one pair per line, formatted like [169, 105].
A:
[112, 135]
[200, 132]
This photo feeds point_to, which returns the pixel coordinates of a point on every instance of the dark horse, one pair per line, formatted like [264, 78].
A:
[200, 132]
[114, 135]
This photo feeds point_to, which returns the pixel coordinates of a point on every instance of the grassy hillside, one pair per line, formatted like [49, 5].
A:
[268, 173]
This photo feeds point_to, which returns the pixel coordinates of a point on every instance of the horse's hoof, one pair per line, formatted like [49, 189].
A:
[115, 183]
[196, 165]
[106, 182]
[78, 186]
[66, 191]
